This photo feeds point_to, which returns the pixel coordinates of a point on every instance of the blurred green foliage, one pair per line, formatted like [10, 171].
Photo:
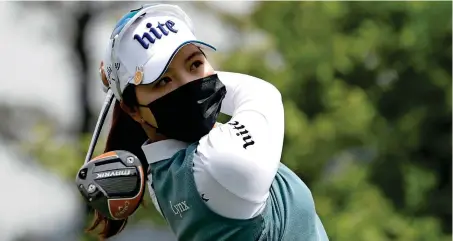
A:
[368, 82]
[367, 94]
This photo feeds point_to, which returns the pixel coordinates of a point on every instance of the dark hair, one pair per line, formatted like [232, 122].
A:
[128, 135]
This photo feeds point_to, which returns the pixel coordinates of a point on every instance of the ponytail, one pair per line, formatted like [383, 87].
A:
[128, 135]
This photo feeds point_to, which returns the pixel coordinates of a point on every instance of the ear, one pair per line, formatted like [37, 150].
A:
[134, 113]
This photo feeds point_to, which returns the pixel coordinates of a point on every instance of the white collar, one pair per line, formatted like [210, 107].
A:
[162, 150]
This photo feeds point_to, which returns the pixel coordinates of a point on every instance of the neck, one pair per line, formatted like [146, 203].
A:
[152, 134]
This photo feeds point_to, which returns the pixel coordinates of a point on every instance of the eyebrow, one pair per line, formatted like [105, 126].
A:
[193, 55]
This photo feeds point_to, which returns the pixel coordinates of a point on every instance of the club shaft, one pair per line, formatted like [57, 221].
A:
[100, 122]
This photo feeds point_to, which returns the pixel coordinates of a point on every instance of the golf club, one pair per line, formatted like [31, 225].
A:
[97, 130]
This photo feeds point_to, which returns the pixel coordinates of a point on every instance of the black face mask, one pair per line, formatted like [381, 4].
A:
[189, 112]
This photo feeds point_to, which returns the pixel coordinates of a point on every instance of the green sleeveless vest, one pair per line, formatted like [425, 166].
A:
[289, 213]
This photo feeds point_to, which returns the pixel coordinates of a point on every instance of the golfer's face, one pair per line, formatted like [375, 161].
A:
[189, 64]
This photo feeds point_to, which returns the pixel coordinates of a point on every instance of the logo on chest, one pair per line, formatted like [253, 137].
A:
[179, 208]
[155, 33]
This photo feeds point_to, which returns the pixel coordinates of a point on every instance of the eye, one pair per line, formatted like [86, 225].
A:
[195, 65]
[163, 81]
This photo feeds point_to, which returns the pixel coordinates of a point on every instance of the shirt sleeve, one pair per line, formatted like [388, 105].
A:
[243, 155]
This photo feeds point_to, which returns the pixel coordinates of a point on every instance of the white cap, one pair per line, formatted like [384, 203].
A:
[143, 44]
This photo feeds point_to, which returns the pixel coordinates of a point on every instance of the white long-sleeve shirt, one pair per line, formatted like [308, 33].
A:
[235, 163]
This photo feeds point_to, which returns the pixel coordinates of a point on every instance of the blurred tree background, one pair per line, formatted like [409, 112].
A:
[367, 94]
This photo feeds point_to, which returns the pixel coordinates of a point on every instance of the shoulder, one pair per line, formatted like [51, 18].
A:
[227, 74]
[249, 80]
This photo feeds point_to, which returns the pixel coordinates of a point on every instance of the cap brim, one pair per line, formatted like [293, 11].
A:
[158, 64]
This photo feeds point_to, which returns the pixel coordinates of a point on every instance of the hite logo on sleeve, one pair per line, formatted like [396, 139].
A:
[152, 31]
[116, 173]
[244, 133]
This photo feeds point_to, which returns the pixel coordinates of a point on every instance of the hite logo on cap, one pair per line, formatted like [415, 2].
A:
[169, 25]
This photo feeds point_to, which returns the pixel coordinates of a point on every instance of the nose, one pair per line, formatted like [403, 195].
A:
[185, 78]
